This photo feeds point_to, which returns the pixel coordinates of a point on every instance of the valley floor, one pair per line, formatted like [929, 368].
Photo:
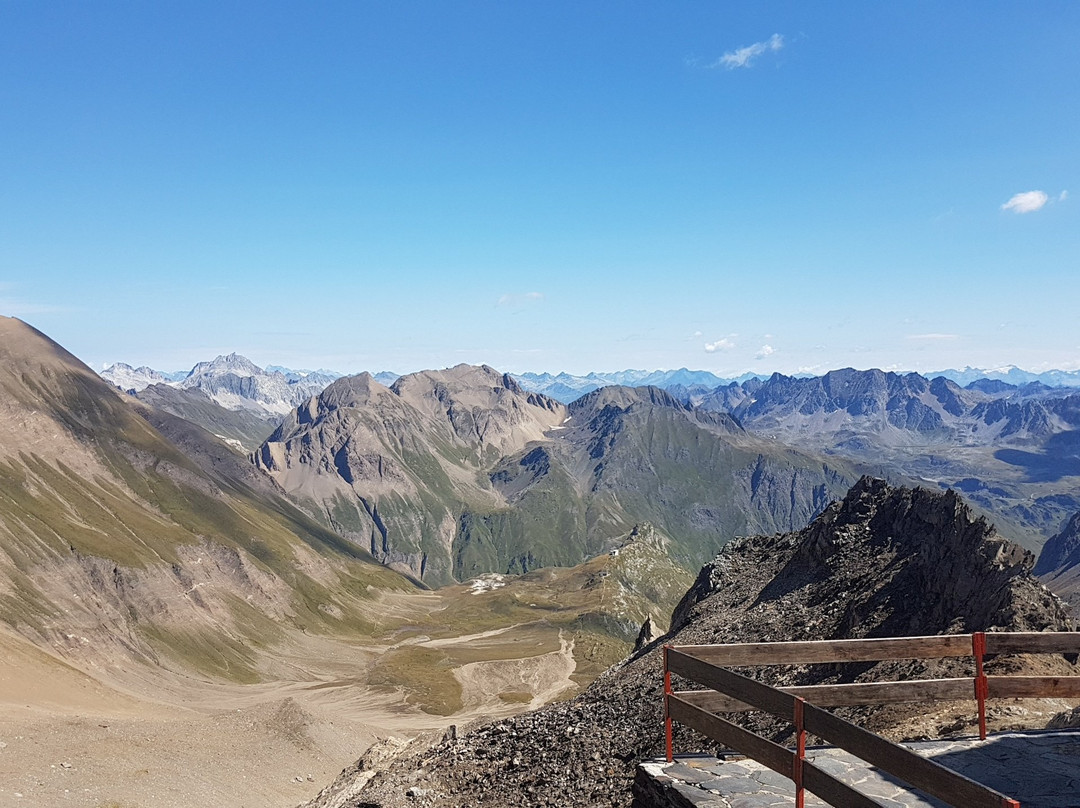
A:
[145, 738]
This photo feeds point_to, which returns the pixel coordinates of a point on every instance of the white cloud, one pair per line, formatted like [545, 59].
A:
[1063, 196]
[766, 350]
[744, 57]
[932, 337]
[724, 344]
[1027, 202]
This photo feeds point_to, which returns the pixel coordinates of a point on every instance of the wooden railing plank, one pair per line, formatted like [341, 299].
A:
[776, 757]
[1034, 687]
[847, 695]
[900, 762]
[833, 791]
[732, 692]
[817, 651]
[761, 696]
[1033, 642]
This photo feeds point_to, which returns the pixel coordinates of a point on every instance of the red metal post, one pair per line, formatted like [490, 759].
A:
[667, 709]
[982, 687]
[1007, 803]
[800, 754]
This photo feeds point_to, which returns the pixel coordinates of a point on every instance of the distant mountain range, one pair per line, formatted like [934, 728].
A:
[1012, 375]
[1007, 442]
[564, 387]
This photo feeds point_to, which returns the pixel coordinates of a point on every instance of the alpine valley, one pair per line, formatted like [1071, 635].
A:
[263, 570]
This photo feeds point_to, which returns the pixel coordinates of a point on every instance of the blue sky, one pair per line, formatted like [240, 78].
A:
[544, 186]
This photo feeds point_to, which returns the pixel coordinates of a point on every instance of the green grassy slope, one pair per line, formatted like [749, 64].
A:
[102, 515]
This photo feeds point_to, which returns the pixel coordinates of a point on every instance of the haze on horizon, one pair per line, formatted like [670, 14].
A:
[544, 188]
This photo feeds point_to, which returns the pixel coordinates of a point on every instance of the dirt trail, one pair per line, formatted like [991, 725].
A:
[446, 641]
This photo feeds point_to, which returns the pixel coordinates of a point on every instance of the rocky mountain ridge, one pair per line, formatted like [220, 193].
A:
[1012, 450]
[233, 381]
[451, 473]
[881, 561]
[842, 403]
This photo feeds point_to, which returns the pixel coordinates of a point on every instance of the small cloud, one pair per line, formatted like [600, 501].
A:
[932, 337]
[1027, 202]
[698, 334]
[724, 344]
[520, 299]
[744, 57]
[1063, 196]
[766, 350]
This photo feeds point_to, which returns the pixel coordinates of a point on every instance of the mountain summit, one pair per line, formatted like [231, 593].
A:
[232, 381]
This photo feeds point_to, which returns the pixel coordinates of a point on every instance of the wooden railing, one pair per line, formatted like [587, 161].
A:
[731, 692]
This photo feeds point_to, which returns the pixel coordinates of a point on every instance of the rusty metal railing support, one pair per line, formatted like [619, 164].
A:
[800, 754]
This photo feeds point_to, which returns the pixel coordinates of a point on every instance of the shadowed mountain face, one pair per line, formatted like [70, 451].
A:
[882, 561]
[115, 544]
[1059, 562]
[243, 429]
[451, 473]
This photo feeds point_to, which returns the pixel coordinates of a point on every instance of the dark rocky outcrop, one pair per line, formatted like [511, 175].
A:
[882, 561]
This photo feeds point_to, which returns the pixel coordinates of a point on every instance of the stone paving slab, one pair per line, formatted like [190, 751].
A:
[1041, 769]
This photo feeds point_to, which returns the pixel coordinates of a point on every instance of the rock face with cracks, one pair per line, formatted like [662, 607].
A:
[883, 561]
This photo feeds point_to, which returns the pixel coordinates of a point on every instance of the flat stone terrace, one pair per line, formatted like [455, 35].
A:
[1040, 769]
